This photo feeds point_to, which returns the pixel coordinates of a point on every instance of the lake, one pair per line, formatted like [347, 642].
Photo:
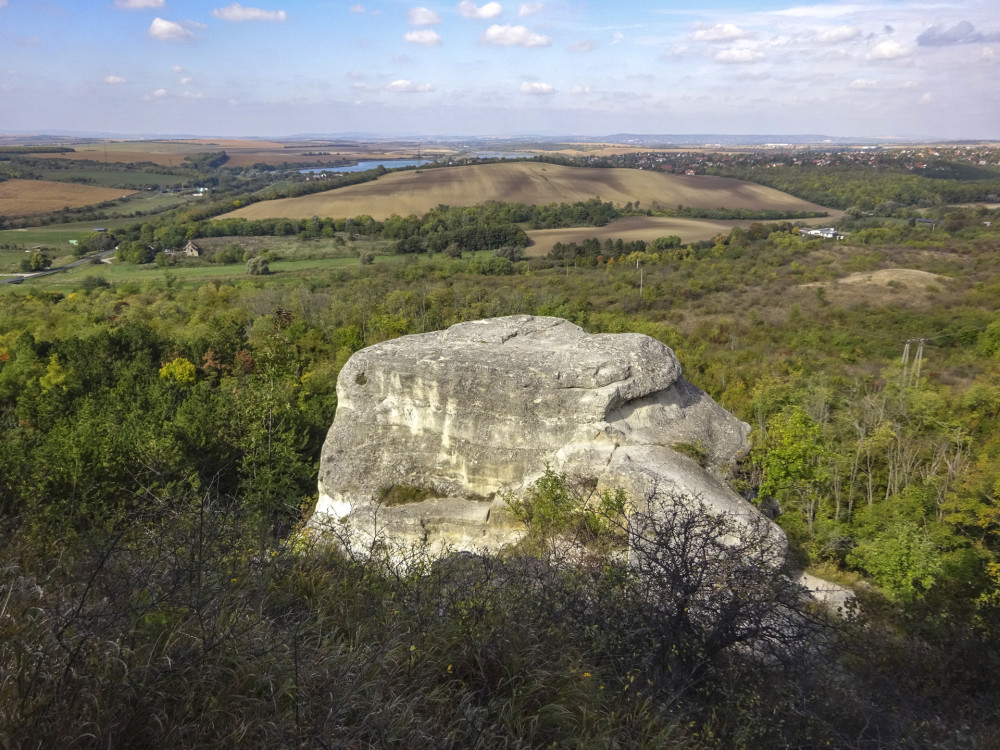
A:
[363, 166]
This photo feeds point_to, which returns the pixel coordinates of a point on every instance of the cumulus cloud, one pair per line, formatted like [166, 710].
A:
[469, 9]
[168, 31]
[739, 55]
[405, 86]
[580, 90]
[158, 94]
[514, 36]
[357, 9]
[862, 83]
[721, 32]
[237, 12]
[422, 17]
[427, 37]
[113, 80]
[887, 50]
[126, 4]
[587, 45]
[927, 98]
[838, 34]
[529, 9]
[617, 38]
[186, 80]
[961, 33]
[536, 87]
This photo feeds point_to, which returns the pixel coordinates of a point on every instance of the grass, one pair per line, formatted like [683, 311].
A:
[282, 271]
[99, 177]
[404, 494]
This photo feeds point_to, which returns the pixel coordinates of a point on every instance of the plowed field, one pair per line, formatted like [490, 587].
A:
[416, 192]
[26, 197]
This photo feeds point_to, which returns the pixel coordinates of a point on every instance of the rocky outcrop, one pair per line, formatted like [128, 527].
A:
[443, 422]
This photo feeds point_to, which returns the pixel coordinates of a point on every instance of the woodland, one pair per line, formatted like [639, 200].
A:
[159, 442]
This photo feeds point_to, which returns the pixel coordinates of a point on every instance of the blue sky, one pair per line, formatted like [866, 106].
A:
[284, 67]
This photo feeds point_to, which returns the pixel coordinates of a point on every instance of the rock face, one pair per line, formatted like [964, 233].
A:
[447, 420]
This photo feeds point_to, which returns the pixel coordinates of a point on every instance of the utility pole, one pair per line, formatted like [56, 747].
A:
[912, 373]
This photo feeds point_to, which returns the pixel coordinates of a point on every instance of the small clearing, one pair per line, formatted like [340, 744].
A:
[899, 286]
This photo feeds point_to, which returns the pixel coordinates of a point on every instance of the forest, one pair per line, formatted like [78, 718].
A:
[159, 449]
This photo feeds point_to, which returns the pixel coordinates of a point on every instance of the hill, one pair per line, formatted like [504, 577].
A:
[418, 191]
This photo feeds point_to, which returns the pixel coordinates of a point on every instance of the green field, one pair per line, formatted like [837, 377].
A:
[113, 179]
[194, 275]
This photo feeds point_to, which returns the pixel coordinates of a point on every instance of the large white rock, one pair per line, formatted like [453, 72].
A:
[485, 406]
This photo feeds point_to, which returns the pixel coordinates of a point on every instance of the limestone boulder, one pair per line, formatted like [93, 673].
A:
[447, 421]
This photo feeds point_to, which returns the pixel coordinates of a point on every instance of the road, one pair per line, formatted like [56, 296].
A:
[19, 277]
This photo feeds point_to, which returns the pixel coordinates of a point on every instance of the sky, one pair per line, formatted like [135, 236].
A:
[861, 68]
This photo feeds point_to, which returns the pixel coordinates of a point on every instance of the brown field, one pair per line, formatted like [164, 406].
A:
[630, 229]
[26, 197]
[416, 192]
[242, 152]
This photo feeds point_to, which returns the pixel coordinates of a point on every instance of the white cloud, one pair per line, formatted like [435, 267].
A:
[192, 95]
[405, 86]
[422, 17]
[468, 9]
[862, 83]
[822, 11]
[529, 9]
[126, 4]
[158, 94]
[721, 32]
[427, 37]
[838, 34]
[361, 86]
[186, 80]
[580, 90]
[113, 80]
[617, 38]
[237, 12]
[927, 98]
[168, 31]
[3, 3]
[177, 69]
[587, 45]
[357, 9]
[887, 50]
[536, 87]
[739, 55]
[514, 36]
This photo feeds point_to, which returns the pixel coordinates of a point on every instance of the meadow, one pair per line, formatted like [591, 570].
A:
[117, 179]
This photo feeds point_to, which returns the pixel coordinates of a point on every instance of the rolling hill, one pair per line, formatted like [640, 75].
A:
[416, 192]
